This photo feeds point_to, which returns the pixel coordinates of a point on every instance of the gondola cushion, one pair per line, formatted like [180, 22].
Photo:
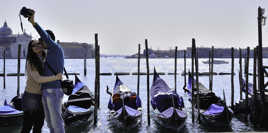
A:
[214, 109]
[6, 109]
[76, 109]
[163, 102]
[79, 94]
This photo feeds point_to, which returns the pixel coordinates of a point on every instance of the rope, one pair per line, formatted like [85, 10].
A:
[21, 25]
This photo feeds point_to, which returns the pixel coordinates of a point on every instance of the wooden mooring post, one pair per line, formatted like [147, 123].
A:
[260, 61]
[98, 72]
[148, 83]
[18, 70]
[193, 84]
[85, 65]
[232, 78]
[240, 73]
[254, 73]
[184, 72]
[209, 70]
[211, 62]
[246, 72]
[97, 80]
[254, 105]
[4, 69]
[175, 73]
[138, 74]
[245, 63]
[197, 84]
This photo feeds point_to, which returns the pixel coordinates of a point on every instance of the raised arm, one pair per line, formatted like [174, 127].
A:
[43, 34]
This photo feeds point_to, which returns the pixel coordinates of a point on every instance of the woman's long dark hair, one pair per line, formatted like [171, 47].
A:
[33, 58]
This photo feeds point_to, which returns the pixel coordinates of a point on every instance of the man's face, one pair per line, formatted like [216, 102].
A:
[43, 43]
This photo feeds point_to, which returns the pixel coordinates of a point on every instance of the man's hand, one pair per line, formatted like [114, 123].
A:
[31, 20]
[59, 76]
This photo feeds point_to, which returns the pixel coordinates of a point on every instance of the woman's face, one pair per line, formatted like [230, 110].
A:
[37, 48]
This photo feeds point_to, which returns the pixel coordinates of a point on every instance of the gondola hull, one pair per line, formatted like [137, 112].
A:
[171, 118]
[241, 111]
[75, 114]
[215, 121]
[125, 108]
[80, 105]
[206, 99]
[167, 104]
[11, 118]
[258, 111]
[11, 114]
[220, 119]
[125, 117]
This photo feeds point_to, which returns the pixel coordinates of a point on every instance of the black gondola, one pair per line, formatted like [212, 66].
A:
[218, 115]
[241, 109]
[253, 110]
[80, 104]
[167, 104]
[125, 107]
[11, 114]
[206, 97]
[214, 112]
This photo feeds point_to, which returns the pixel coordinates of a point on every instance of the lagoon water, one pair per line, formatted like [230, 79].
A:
[130, 65]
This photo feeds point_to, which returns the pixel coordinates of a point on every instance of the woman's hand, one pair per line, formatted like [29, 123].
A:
[59, 76]
[31, 20]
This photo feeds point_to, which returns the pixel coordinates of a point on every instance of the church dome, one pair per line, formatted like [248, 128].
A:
[5, 30]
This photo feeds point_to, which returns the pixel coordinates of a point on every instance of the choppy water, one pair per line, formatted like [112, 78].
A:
[130, 65]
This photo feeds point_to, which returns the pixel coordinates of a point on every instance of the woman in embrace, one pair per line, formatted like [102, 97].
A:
[31, 99]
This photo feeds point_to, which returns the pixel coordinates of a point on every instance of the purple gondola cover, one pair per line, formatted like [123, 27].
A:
[132, 112]
[6, 109]
[162, 97]
[169, 112]
[214, 109]
[159, 86]
[78, 85]
[76, 109]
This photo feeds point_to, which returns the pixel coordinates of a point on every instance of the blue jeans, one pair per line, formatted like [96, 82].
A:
[52, 100]
[33, 113]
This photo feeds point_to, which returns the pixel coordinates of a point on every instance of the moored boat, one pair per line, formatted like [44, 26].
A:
[206, 97]
[213, 111]
[80, 104]
[125, 107]
[11, 113]
[167, 104]
[218, 115]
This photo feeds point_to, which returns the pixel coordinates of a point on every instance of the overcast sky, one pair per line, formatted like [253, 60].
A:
[123, 24]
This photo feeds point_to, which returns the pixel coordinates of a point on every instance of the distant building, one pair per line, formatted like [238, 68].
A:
[203, 52]
[11, 41]
[75, 50]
